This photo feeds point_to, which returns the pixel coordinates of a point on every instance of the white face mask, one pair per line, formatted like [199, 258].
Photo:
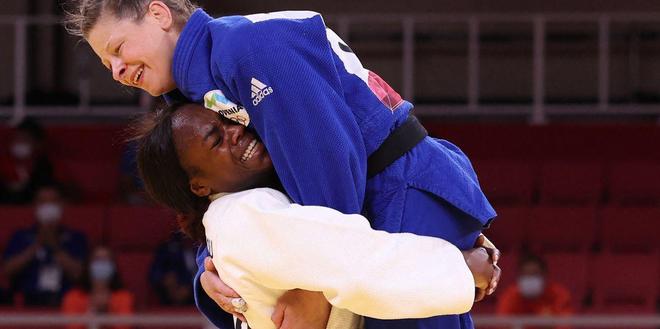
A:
[21, 150]
[531, 286]
[101, 270]
[48, 212]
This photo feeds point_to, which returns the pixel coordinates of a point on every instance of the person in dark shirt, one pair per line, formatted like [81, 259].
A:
[173, 270]
[42, 262]
[27, 166]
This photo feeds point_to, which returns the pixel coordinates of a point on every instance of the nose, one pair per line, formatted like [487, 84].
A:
[233, 132]
[118, 69]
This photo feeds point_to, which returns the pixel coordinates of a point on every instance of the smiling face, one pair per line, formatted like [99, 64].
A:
[138, 53]
[217, 154]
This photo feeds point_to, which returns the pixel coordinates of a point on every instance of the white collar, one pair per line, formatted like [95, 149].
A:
[217, 196]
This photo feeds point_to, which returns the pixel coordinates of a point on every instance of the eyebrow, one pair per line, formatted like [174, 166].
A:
[211, 132]
[106, 50]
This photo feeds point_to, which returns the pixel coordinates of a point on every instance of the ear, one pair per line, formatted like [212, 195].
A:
[161, 13]
[199, 187]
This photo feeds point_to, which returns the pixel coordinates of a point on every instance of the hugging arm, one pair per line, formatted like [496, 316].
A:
[368, 272]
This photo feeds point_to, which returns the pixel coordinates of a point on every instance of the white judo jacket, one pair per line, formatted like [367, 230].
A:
[263, 245]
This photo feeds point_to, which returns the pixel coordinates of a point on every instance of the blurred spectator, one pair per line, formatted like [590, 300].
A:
[534, 294]
[130, 184]
[28, 166]
[43, 261]
[100, 290]
[173, 270]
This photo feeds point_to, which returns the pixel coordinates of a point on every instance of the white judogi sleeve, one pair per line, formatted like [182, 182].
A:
[259, 237]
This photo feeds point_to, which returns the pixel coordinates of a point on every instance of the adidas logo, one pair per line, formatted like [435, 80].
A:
[259, 91]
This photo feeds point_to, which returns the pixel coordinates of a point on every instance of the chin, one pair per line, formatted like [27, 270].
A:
[154, 93]
[158, 90]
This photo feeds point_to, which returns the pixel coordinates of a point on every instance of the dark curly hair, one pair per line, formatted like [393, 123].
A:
[164, 178]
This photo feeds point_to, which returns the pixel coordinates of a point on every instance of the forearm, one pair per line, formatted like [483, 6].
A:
[18, 262]
[366, 271]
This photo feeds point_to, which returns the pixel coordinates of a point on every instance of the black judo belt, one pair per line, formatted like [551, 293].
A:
[398, 143]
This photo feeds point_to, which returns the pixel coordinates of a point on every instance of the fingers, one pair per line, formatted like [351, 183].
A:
[223, 295]
[494, 281]
[495, 255]
[278, 315]
[216, 282]
[208, 265]
[480, 241]
[487, 243]
[479, 294]
[210, 284]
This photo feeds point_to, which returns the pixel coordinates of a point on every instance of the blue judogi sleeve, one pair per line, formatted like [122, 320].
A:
[284, 74]
[204, 303]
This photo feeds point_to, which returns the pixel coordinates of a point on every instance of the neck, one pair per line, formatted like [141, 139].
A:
[275, 183]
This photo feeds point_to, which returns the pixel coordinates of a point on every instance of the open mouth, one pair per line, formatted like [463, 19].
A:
[249, 151]
[138, 75]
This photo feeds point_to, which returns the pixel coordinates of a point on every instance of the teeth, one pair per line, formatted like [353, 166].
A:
[138, 75]
[249, 152]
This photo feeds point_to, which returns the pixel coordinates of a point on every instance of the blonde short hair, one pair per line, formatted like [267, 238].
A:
[82, 15]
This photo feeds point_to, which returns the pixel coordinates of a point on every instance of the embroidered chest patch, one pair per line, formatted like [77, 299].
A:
[216, 101]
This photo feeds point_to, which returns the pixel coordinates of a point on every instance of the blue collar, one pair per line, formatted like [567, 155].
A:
[185, 46]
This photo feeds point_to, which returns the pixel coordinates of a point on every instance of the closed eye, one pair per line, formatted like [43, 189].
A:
[118, 49]
[217, 142]
[214, 131]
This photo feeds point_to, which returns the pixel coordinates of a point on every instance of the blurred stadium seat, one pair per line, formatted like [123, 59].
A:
[630, 228]
[133, 267]
[138, 228]
[88, 219]
[635, 183]
[562, 228]
[625, 282]
[506, 182]
[571, 183]
[93, 180]
[572, 271]
[101, 142]
[509, 228]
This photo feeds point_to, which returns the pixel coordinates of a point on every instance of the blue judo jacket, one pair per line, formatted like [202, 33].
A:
[320, 114]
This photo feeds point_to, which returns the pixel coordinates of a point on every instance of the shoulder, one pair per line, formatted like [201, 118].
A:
[24, 234]
[235, 26]
[241, 208]
[252, 198]
[239, 36]
[21, 239]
